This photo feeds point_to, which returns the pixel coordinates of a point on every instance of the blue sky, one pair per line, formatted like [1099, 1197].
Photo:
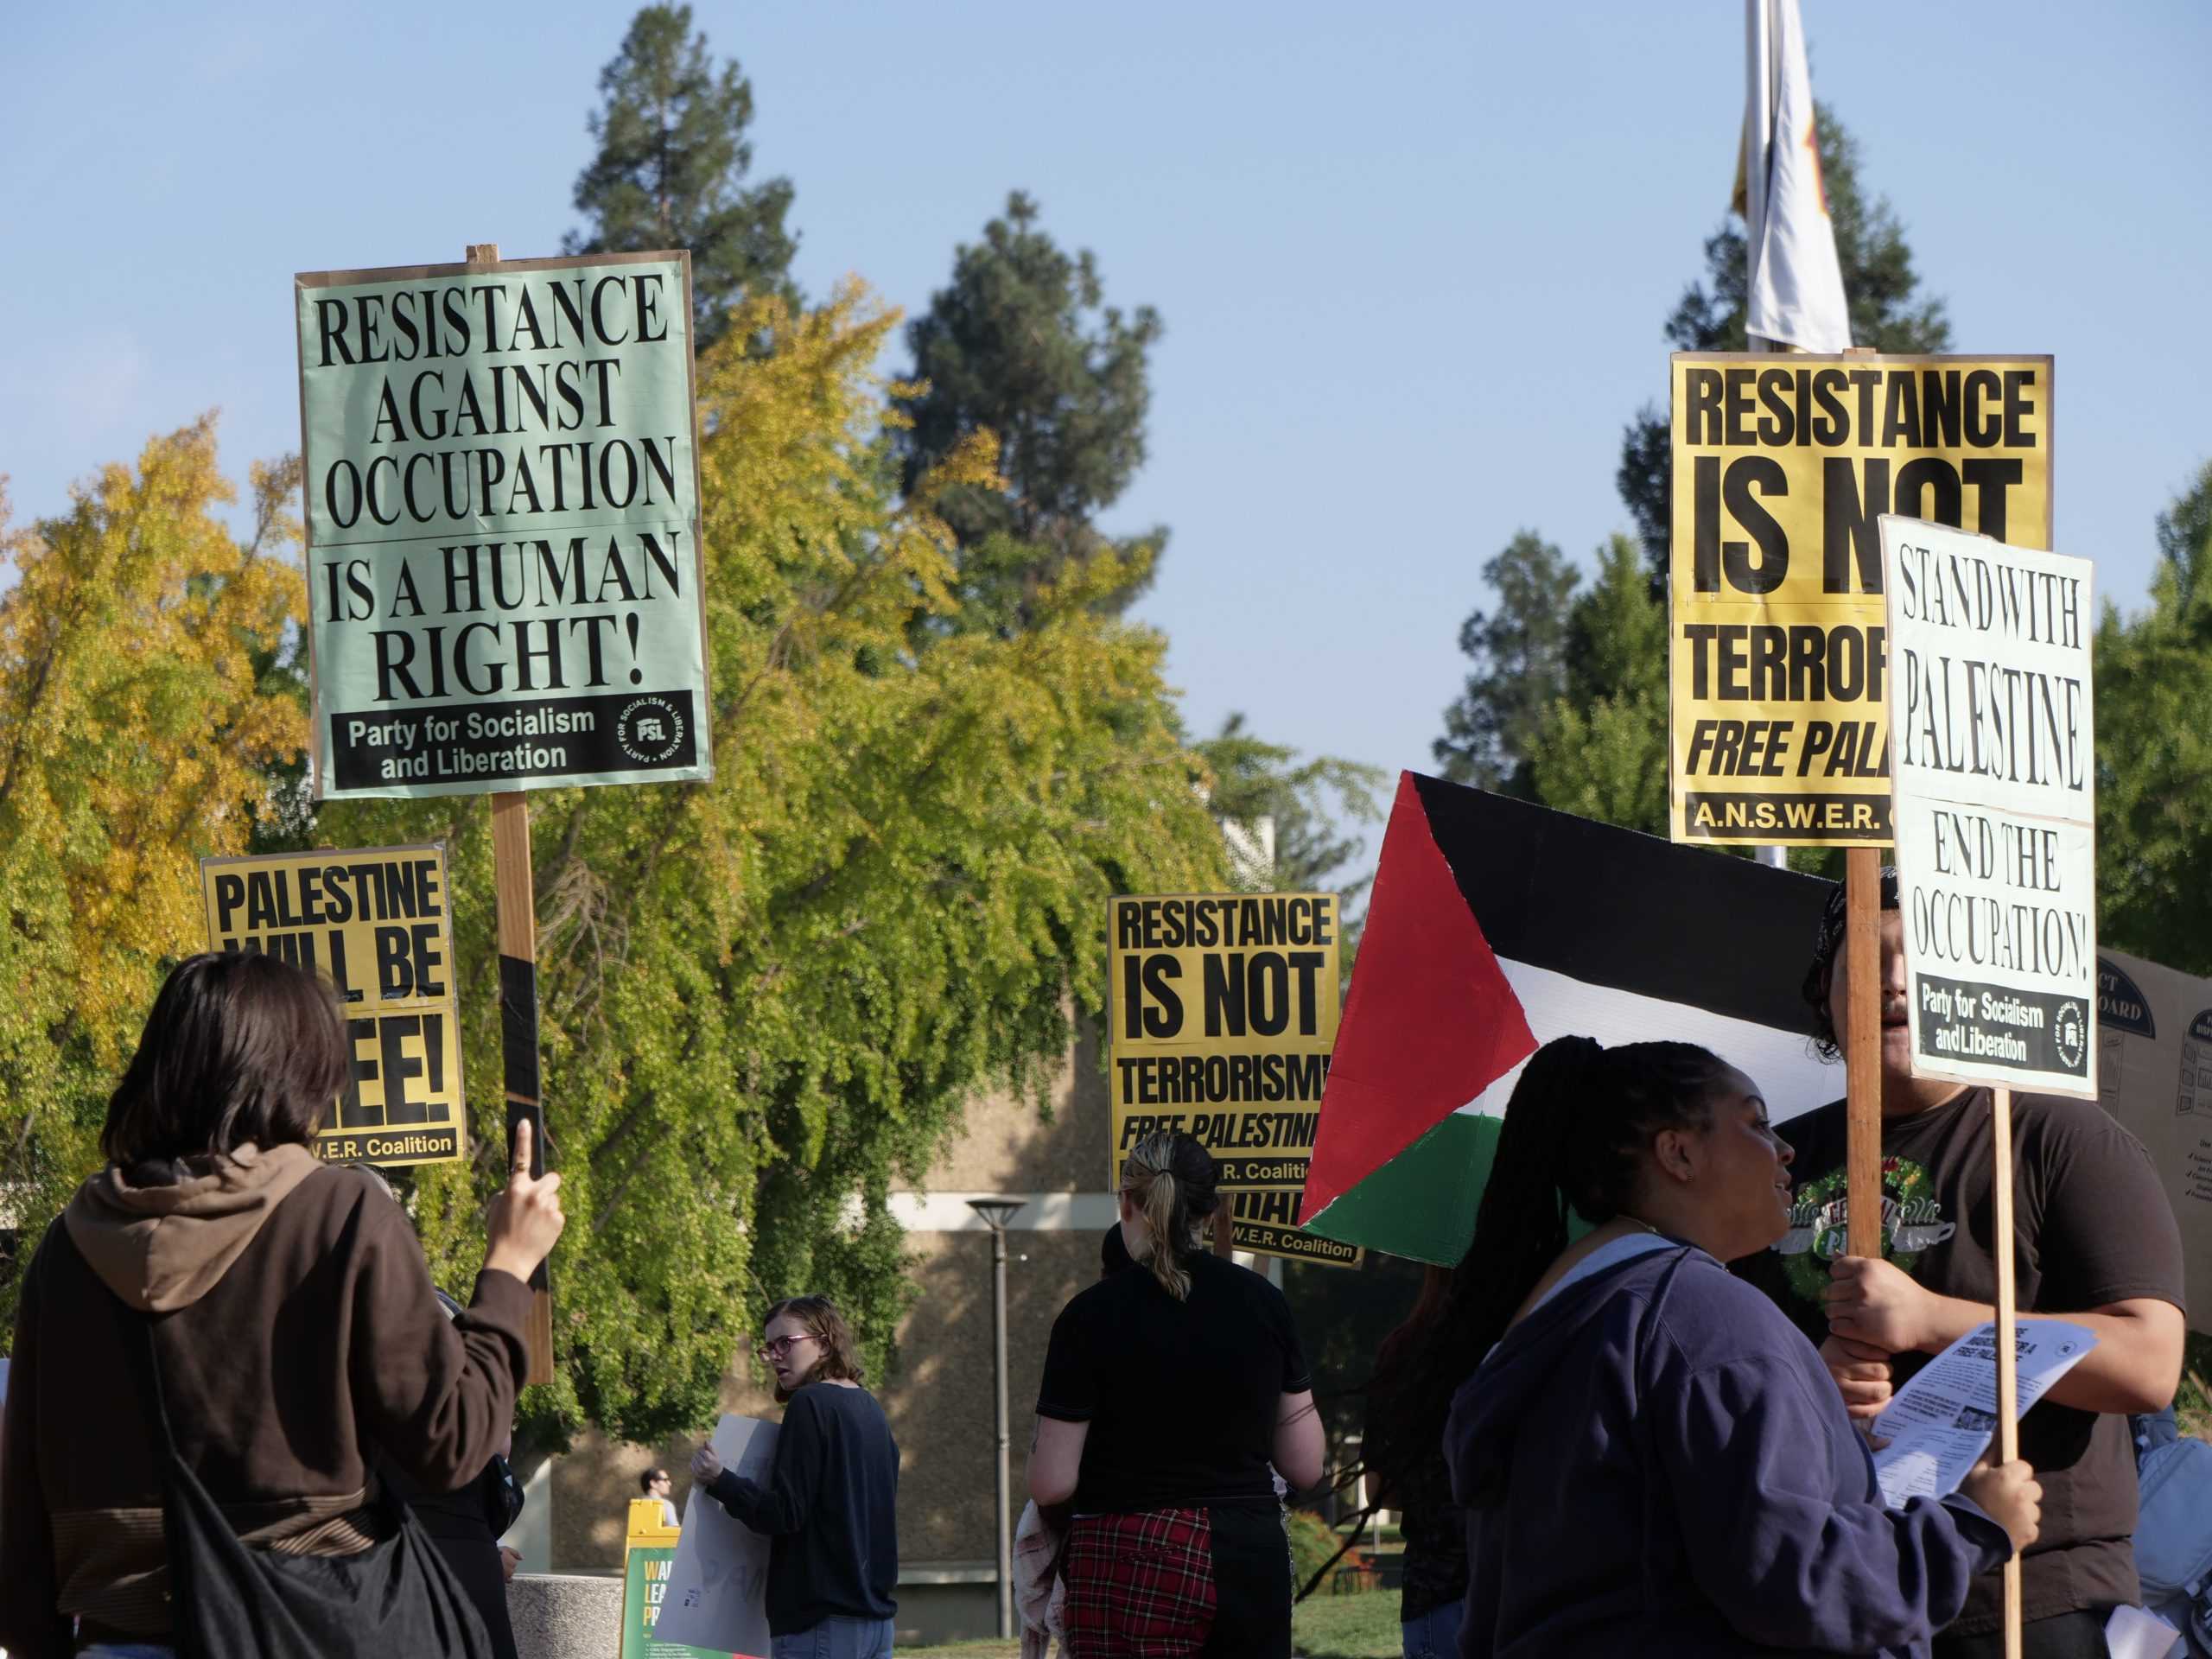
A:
[1413, 260]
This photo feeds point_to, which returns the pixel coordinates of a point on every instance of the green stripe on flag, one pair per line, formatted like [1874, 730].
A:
[1421, 1204]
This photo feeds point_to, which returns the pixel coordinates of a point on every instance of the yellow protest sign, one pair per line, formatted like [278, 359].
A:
[1782, 466]
[377, 924]
[1223, 1014]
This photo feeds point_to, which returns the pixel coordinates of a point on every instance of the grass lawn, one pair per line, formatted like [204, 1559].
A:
[1325, 1627]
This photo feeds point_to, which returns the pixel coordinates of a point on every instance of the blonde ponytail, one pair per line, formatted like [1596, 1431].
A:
[1171, 1208]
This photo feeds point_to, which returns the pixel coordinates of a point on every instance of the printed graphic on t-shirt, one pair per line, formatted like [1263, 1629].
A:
[1913, 1221]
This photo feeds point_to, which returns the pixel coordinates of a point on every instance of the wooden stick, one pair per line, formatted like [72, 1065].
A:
[2008, 1396]
[1224, 1227]
[1862, 960]
[516, 891]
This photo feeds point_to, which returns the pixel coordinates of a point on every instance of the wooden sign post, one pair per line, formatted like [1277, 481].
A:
[1862, 967]
[2008, 1386]
[515, 891]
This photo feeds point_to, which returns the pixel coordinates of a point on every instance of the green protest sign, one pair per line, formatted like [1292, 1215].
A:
[503, 526]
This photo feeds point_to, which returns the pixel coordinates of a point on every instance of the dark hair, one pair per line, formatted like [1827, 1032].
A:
[240, 1050]
[1384, 1448]
[645, 1480]
[1820, 978]
[1172, 1180]
[841, 1355]
[1575, 1133]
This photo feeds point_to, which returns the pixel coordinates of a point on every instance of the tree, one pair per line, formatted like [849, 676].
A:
[1306, 802]
[139, 717]
[1519, 652]
[1601, 750]
[1021, 344]
[2154, 752]
[1878, 282]
[671, 169]
[766, 1000]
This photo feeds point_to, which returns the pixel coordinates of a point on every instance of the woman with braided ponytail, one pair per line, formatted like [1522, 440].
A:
[1170, 1387]
[1650, 1458]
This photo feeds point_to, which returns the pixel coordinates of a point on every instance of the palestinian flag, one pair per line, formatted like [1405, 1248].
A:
[1494, 926]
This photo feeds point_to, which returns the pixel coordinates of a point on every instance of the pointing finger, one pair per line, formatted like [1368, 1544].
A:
[518, 1159]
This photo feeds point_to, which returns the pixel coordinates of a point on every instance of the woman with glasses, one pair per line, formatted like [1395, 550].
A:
[828, 1506]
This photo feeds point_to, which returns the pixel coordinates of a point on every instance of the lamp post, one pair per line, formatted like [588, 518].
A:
[996, 1212]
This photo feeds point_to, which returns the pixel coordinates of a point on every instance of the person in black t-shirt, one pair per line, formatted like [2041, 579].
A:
[830, 1508]
[1169, 1390]
[2095, 1244]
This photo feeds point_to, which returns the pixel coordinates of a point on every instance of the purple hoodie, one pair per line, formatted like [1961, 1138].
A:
[1656, 1462]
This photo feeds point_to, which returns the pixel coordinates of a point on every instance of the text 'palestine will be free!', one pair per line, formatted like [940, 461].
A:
[1779, 662]
[503, 526]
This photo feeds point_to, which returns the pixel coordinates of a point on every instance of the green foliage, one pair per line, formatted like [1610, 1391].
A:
[1305, 801]
[672, 160]
[1022, 345]
[766, 1000]
[1349, 1627]
[2154, 751]
[1602, 750]
[1879, 283]
[139, 716]
[1519, 651]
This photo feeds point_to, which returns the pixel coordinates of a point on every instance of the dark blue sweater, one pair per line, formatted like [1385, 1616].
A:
[829, 1510]
[1656, 1462]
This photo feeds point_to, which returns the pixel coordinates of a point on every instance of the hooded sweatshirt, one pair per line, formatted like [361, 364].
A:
[296, 1331]
[1655, 1462]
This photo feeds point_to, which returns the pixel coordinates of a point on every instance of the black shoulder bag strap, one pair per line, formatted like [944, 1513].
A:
[229, 1600]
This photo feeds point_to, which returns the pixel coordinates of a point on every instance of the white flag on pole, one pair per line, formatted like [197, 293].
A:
[1797, 285]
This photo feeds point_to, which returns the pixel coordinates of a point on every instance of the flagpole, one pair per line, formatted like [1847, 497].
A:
[1758, 137]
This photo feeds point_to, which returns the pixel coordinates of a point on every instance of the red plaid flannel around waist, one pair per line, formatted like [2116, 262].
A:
[1140, 1586]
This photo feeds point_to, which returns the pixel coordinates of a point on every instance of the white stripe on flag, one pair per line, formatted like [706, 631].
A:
[1789, 1075]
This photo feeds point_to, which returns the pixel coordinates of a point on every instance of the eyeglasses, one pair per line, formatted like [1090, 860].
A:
[781, 1346]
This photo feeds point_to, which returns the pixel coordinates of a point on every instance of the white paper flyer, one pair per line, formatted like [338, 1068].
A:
[1940, 1423]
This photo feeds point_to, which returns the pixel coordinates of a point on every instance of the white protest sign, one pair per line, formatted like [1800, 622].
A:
[1993, 780]
[718, 1585]
[1940, 1423]
[502, 496]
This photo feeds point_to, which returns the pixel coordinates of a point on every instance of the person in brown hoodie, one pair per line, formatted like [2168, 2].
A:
[294, 1319]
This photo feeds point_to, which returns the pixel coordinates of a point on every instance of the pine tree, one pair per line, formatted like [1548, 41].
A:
[1022, 344]
[671, 169]
[1519, 652]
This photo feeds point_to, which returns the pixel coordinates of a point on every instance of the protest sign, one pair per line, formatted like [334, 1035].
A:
[1781, 467]
[1995, 787]
[2154, 1075]
[648, 1552]
[1222, 1016]
[718, 1583]
[377, 923]
[502, 493]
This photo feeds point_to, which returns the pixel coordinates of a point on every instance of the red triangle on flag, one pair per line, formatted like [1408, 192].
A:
[1424, 968]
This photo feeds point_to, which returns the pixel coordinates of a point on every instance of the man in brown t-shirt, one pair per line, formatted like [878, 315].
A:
[2096, 1243]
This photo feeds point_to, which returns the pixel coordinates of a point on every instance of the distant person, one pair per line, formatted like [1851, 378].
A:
[1651, 1460]
[2097, 1244]
[655, 1483]
[292, 1322]
[1167, 1393]
[1403, 1450]
[830, 1509]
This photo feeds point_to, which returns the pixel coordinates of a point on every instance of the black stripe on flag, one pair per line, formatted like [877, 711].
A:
[1611, 907]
